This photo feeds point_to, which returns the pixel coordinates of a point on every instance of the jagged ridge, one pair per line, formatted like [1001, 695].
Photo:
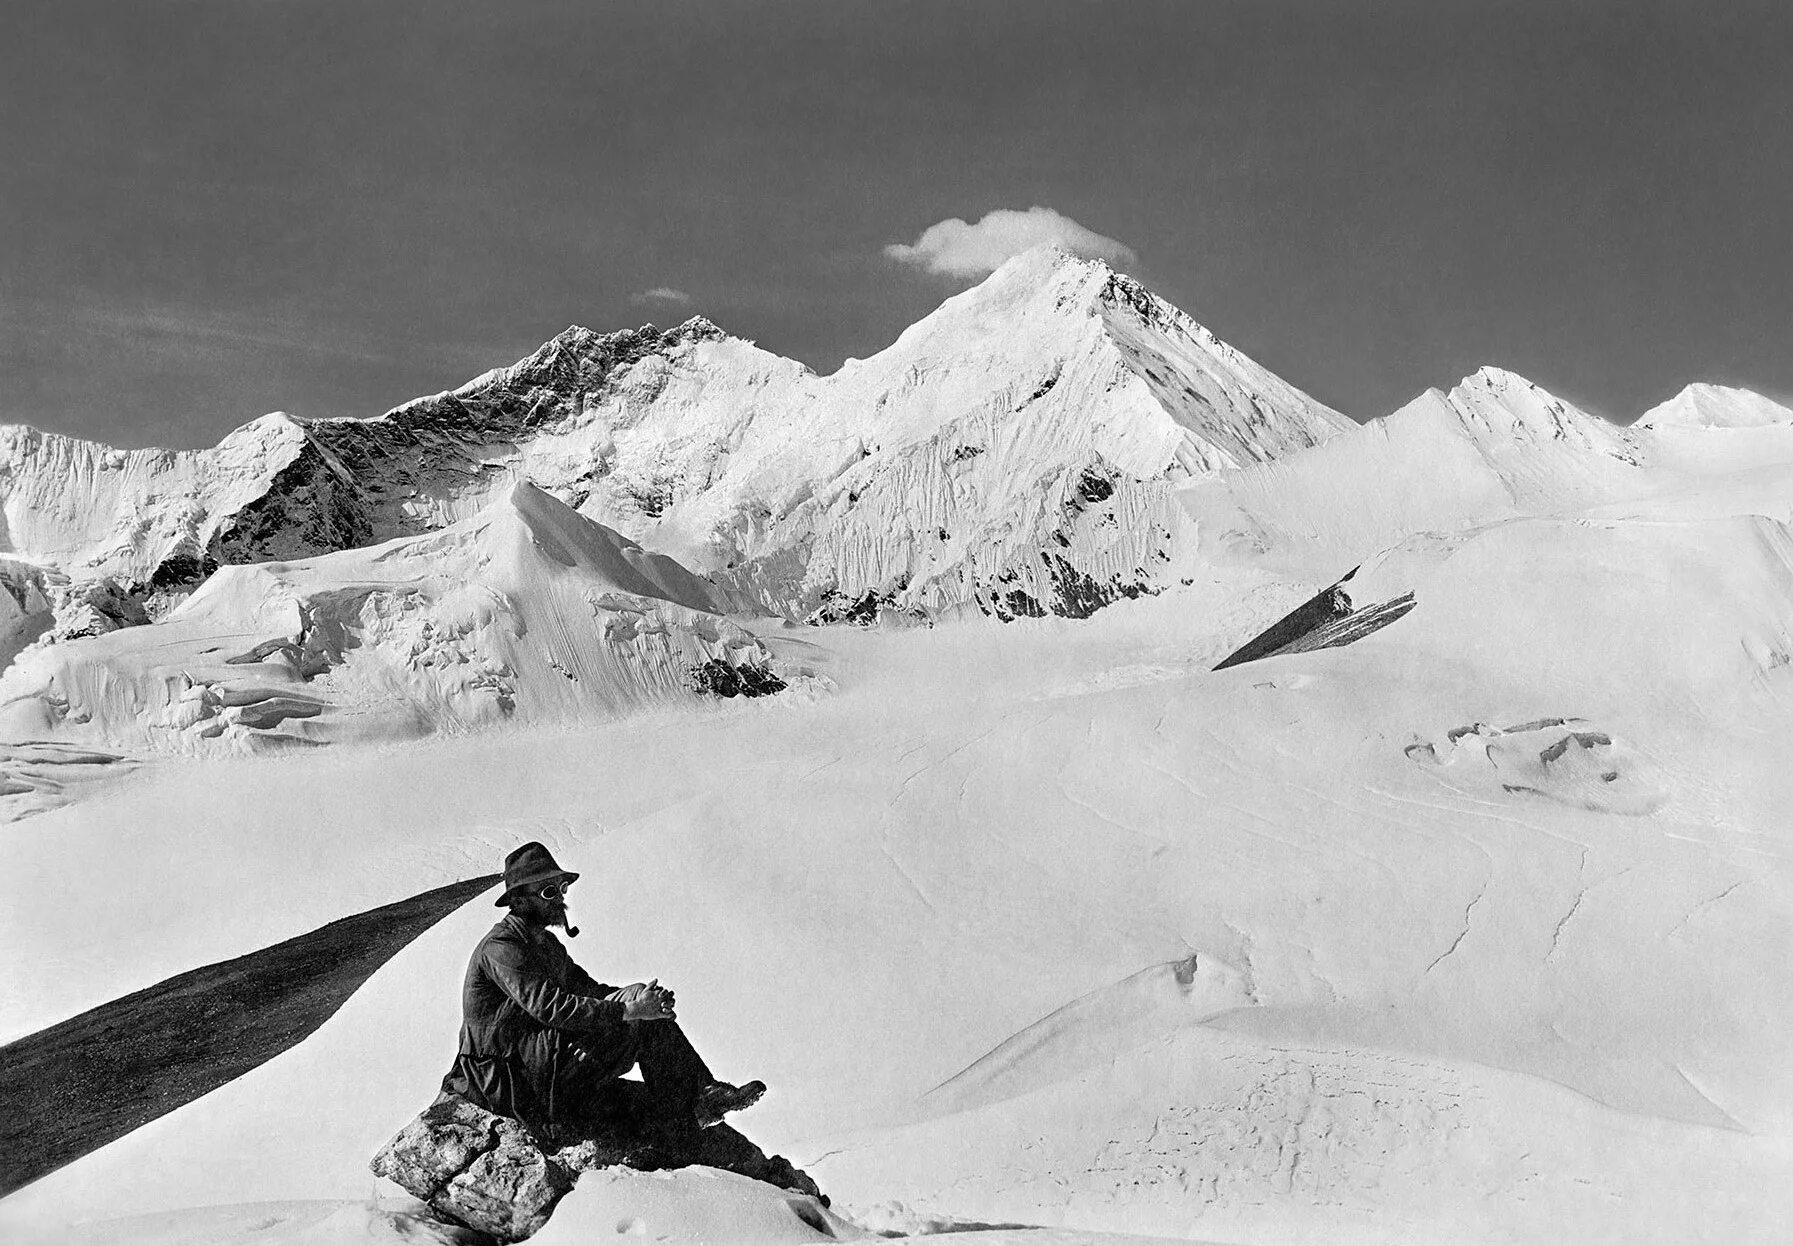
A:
[959, 468]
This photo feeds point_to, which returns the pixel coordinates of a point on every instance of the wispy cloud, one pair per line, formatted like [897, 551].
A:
[214, 331]
[664, 295]
[954, 248]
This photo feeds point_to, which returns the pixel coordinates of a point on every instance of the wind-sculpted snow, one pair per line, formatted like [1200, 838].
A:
[1424, 1008]
[527, 611]
[1562, 759]
[1150, 1006]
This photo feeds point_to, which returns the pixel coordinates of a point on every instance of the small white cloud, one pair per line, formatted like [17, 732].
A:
[956, 249]
[661, 294]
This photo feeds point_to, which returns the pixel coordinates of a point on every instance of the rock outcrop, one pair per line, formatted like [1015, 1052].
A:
[493, 1175]
[476, 1169]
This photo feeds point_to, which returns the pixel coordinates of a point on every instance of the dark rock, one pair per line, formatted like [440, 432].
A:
[181, 571]
[863, 611]
[1019, 603]
[721, 678]
[1078, 595]
[1094, 487]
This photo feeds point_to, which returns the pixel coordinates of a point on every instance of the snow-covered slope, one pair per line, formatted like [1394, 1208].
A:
[1011, 452]
[89, 510]
[1716, 406]
[526, 611]
[1450, 984]
[1494, 448]
[1473, 931]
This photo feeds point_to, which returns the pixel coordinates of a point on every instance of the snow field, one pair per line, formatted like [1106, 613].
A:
[1427, 1004]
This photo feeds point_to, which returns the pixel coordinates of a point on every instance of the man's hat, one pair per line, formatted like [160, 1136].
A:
[529, 867]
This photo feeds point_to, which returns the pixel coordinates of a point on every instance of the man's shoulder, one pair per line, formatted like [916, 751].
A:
[516, 938]
[506, 931]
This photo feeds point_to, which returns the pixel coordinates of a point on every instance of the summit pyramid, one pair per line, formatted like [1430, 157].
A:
[1014, 452]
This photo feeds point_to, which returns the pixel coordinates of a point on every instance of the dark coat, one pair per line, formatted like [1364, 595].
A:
[525, 1009]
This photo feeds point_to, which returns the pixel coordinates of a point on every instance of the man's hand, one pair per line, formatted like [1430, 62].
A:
[645, 1001]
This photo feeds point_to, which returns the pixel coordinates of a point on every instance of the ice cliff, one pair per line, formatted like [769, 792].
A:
[525, 611]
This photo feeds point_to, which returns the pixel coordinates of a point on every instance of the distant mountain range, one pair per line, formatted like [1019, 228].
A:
[1013, 452]
[1050, 441]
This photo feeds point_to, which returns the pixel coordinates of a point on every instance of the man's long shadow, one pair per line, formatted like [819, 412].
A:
[74, 1087]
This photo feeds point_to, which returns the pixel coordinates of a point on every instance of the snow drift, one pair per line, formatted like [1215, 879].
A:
[1429, 1002]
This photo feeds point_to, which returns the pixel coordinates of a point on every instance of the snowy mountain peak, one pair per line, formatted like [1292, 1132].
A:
[1716, 406]
[575, 358]
[1494, 447]
[1044, 265]
[1013, 452]
[1047, 281]
[1494, 403]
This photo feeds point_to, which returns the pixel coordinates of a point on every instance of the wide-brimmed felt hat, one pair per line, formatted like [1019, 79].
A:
[529, 867]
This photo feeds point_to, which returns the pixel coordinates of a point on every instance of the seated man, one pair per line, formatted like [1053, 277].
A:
[543, 1043]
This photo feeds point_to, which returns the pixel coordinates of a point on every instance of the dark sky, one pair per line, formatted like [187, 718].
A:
[212, 210]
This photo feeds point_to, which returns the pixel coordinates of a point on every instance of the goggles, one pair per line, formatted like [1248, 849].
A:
[554, 891]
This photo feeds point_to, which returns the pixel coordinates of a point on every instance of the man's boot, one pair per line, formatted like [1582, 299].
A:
[718, 1099]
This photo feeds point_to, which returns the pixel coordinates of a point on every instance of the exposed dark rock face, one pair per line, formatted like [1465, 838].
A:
[1326, 620]
[361, 481]
[862, 611]
[493, 1175]
[312, 506]
[722, 678]
[1094, 486]
[1077, 595]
